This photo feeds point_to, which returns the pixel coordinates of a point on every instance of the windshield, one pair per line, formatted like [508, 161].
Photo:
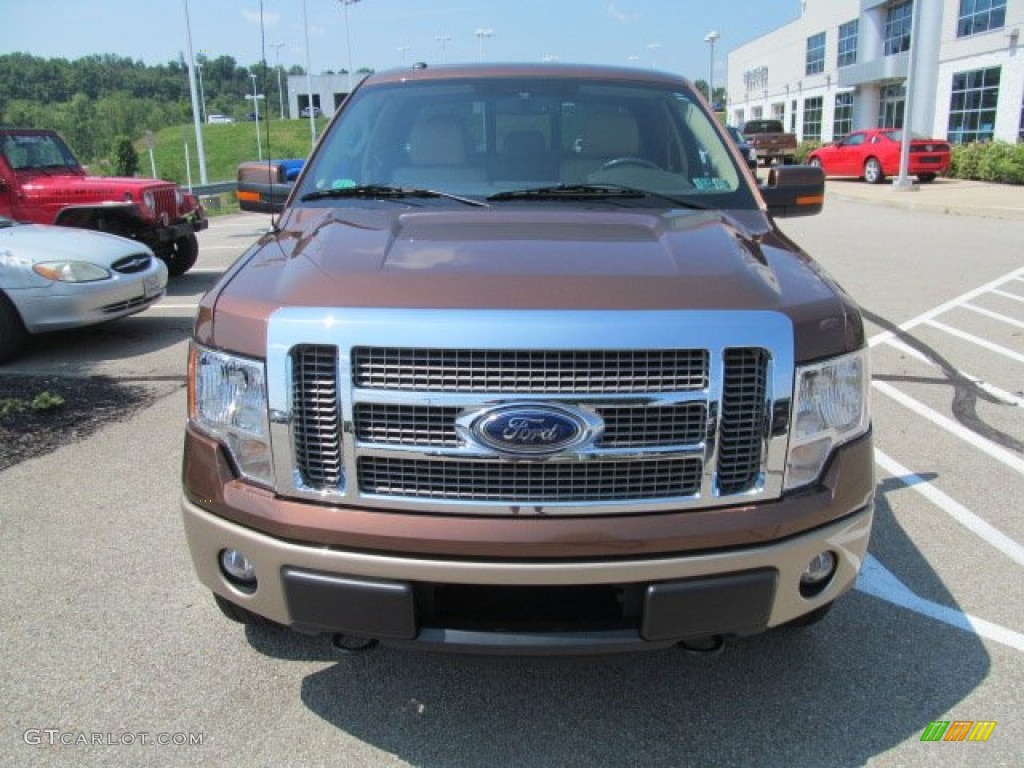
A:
[34, 150]
[482, 137]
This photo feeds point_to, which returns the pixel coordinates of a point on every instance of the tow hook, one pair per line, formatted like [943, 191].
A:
[703, 646]
[349, 645]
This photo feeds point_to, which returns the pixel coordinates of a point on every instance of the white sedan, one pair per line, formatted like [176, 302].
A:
[52, 278]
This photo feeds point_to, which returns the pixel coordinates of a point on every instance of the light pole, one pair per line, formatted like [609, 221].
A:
[653, 47]
[443, 40]
[481, 33]
[402, 49]
[280, 91]
[309, 78]
[195, 109]
[256, 109]
[348, 39]
[710, 39]
[202, 96]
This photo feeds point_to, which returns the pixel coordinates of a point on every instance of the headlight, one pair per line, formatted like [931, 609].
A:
[71, 271]
[149, 201]
[228, 401]
[752, 154]
[179, 198]
[830, 408]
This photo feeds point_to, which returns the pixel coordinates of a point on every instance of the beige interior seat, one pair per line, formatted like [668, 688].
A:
[437, 154]
[606, 135]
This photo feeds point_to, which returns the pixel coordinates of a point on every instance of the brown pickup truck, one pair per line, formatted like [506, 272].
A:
[525, 365]
[771, 141]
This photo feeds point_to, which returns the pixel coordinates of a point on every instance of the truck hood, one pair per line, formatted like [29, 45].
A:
[568, 258]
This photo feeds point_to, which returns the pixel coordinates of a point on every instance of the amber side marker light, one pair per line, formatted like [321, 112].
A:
[811, 200]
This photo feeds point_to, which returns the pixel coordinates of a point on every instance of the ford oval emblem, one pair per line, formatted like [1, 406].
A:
[530, 430]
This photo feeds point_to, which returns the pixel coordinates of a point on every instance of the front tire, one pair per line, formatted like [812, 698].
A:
[873, 173]
[815, 162]
[12, 330]
[182, 255]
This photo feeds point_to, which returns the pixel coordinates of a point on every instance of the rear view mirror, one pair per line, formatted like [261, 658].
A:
[794, 190]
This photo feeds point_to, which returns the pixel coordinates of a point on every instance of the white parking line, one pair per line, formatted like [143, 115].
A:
[994, 315]
[885, 336]
[976, 340]
[1011, 460]
[952, 507]
[1007, 295]
[876, 580]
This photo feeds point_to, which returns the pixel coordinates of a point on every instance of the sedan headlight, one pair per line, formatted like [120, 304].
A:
[228, 401]
[71, 271]
[830, 408]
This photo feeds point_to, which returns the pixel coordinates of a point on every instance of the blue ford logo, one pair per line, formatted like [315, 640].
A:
[530, 429]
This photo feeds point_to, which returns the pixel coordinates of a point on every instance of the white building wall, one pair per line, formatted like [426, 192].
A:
[772, 69]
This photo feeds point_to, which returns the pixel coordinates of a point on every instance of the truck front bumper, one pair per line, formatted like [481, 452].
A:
[649, 602]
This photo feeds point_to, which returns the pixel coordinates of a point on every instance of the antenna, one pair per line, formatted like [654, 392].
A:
[274, 220]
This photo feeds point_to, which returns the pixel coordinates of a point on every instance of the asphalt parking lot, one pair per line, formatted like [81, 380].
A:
[114, 655]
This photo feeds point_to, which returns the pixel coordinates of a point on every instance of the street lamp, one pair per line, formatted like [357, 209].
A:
[710, 39]
[280, 91]
[402, 49]
[202, 96]
[348, 39]
[256, 109]
[443, 40]
[195, 108]
[481, 33]
[652, 47]
[309, 77]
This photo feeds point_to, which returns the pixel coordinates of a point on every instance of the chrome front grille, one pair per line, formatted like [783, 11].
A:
[530, 483]
[625, 426]
[316, 426]
[368, 409]
[744, 419]
[534, 371]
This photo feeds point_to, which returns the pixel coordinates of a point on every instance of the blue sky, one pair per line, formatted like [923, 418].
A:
[667, 34]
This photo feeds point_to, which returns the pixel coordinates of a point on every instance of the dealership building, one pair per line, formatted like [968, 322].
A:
[843, 65]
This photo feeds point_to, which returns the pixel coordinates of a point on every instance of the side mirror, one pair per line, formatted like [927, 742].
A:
[263, 186]
[794, 190]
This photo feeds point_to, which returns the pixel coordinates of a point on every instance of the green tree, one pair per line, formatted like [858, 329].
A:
[125, 159]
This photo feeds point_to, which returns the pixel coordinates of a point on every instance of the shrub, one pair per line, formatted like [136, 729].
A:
[803, 149]
[996, 161]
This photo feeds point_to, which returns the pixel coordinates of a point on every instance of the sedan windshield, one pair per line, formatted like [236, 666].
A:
[485, 138]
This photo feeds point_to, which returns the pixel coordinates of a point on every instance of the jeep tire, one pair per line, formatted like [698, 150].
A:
[181, 256]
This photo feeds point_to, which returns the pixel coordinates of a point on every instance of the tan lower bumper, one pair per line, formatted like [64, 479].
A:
[208, 535]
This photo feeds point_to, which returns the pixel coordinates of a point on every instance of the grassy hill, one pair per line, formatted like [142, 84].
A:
[226, 146]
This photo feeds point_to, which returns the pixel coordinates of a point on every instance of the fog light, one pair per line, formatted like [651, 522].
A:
[238, 568]
[817, 574]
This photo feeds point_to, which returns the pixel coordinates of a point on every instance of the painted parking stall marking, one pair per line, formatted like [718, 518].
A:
[875, 578]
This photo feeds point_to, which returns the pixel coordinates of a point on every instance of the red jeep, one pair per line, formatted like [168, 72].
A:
[42, 181]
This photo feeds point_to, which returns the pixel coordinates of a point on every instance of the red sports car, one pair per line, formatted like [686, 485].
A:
[875, 154]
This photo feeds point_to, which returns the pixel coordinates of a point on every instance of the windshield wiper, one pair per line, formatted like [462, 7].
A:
[385, 192]
[592, 192]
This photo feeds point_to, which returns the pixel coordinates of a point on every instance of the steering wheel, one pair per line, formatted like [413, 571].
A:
[618, 162]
